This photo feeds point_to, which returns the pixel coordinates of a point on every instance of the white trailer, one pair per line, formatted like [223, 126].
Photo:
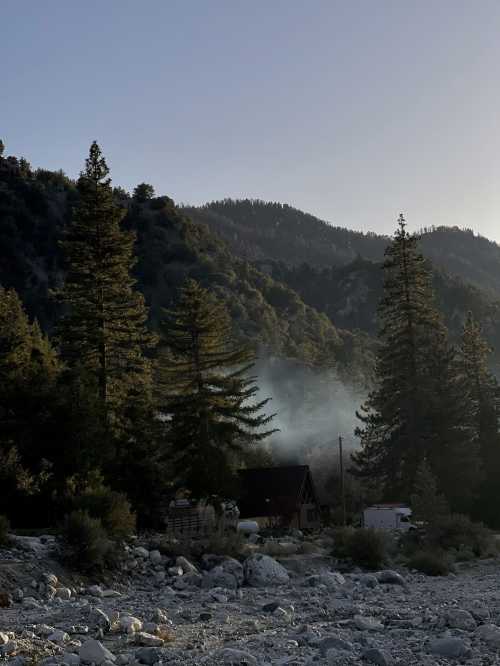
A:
[388, 517]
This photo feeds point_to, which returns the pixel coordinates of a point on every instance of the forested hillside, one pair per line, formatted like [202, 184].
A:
[263, 231]
[35, 207]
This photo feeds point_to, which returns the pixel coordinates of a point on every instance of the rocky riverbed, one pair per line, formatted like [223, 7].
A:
[300, 610]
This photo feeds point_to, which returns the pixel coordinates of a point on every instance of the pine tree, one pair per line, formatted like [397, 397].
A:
[427, 503]
[105, 326]
[484, 395]
[417, 410]
[207, 394]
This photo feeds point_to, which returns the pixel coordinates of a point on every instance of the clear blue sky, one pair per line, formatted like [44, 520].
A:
[350, 110]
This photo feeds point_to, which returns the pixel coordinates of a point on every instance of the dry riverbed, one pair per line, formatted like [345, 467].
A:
[163, 610]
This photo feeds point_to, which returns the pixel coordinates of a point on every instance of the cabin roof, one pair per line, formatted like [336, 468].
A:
[268, 491]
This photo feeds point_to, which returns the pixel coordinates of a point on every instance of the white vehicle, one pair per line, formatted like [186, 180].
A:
[388, 517]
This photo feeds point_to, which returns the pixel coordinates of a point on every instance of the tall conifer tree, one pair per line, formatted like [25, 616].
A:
[417, 410]
[484, 394]
[208, 394]
[105, 327]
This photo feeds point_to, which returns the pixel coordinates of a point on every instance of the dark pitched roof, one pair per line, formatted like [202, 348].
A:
[268, 491]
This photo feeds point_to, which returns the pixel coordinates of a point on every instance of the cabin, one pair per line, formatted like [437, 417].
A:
[279, 497]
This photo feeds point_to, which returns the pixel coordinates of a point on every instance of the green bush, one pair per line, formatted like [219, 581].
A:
[364, 547]
[431, 563]
[111, 508]
[341, 537]
[4, 528]
[86, 543]
[457, 532]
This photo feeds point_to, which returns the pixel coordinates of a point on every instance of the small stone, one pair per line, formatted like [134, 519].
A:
[30, 603]
[160, 616]
[99, 619]
[58, 636]
[95, 591]
[141, 552]
[148, 640]
[366, 623]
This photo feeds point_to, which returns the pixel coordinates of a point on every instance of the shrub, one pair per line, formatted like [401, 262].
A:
[341, 539]
[4, 528]
[365, 547]
[431, 563]
[86, 543]
[111, 508]
[459, 533]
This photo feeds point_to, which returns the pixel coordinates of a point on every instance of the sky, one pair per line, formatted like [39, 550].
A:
[353, 110]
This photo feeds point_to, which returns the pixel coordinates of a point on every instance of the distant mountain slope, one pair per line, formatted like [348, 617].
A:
[260, 231]
[35, 208]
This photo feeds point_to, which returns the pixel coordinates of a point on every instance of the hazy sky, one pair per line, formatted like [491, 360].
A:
[350, 110]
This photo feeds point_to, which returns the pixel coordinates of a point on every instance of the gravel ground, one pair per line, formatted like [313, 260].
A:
[304, 613]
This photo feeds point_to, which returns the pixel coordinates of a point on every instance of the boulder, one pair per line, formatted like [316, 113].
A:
[263, 571]
[130, 624]
[378, 657]
[186, 565]
[63, 593]
[141, 552]
[235, 657]
[155, 557]
[450, 647]
[148, 655]
[95, 591]
[71, 659]
[94, 652]
[390, 577]
[232, 566]
[217, 577]
[457, 618]
[99, 620]
[490, 634]
[334, 642]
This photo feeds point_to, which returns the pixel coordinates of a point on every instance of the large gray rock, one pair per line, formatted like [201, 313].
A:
[148, 655]
[235, 568]
[94, 652]
[450, 647]
[333, 642]
[217, 577]
[390, 577]
[460, 619]
[233, 657]
[186, 565]
[98, 619]
[263, 571]
[378, 657]
[490, 634]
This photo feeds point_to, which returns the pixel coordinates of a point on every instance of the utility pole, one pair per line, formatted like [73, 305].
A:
[342, 486]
